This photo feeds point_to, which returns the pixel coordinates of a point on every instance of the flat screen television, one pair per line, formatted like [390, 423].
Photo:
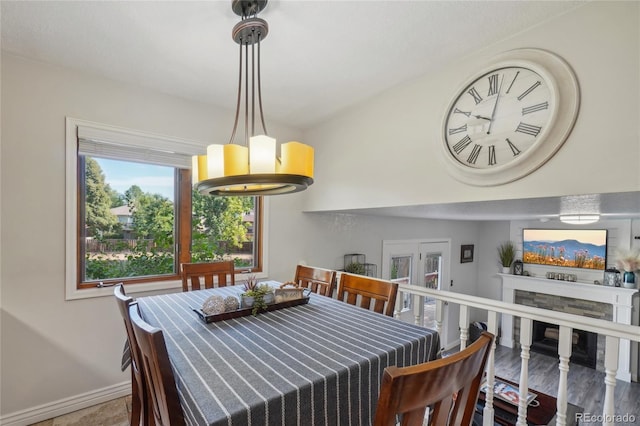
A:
[573, 248]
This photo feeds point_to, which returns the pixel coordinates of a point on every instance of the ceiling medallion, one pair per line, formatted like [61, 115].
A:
[252, 168]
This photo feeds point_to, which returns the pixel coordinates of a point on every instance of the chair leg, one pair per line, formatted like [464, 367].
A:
[136, 403]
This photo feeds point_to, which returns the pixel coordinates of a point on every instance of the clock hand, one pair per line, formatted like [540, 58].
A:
[493, 112]
[481, 117]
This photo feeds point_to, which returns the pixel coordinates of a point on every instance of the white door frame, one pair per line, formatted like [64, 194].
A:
[413, 248]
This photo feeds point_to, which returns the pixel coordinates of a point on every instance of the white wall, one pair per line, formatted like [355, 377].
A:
[51, 348]
[397, 134]
[379, 154]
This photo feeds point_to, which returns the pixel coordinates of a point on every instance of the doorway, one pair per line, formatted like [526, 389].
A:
[423, 263]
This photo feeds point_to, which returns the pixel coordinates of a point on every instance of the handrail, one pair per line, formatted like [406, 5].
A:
[621, 331]
[566, 322]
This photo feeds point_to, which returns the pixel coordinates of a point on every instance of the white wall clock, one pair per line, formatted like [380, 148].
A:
[509, 118]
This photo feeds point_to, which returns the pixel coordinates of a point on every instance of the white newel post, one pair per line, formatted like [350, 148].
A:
[620, 298]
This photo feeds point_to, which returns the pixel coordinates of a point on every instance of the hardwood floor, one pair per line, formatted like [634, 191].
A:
[585, 385]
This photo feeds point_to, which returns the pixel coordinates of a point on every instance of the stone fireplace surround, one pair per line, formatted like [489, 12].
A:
[614, 303]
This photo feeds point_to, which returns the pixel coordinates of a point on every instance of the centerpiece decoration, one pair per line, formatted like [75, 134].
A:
[629, 262]
[256, 296]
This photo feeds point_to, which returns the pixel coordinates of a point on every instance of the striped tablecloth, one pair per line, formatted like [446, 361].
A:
[314, 364]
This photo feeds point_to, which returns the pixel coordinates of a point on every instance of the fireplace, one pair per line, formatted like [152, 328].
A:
[584, 349]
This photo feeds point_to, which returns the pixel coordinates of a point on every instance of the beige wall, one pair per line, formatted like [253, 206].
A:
[397, 134]
[51, 348]
[54, 349]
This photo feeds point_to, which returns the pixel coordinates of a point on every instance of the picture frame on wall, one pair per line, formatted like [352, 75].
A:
[466, 253]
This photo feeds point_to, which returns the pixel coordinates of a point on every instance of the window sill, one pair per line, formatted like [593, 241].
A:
[158, 286]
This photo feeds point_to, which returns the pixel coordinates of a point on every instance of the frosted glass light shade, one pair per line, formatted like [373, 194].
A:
[215, 161]
[579, 219]
[262, 154]
[198, 168]
[236, 160]
[297, 159]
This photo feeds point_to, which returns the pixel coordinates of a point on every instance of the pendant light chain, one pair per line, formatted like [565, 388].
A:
[264, 128]
[235, 122]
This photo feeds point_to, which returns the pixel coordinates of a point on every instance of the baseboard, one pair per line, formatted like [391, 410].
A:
[66, 405]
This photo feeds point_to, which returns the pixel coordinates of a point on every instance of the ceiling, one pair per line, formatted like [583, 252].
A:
[319, 58]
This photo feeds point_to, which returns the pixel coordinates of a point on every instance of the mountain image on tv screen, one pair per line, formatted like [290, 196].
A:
[573, 248]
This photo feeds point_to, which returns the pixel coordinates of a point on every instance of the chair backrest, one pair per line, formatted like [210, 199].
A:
[208, 274]
[158, 373]
[319, 280]
[450, 386]
[139, 400]
[367, 290]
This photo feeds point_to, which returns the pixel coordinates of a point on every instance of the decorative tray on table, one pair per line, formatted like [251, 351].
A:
[243, 312]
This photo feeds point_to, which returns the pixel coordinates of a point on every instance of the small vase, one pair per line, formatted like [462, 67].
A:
[269, 298]
[506, 269]
[629, 279]
[247, 301]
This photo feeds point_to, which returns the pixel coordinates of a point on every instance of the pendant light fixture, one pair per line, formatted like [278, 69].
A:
[253, 168]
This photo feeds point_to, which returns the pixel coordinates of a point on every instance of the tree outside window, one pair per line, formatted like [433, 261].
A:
[132, 234]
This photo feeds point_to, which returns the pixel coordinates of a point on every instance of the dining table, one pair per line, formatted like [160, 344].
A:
[318, 363]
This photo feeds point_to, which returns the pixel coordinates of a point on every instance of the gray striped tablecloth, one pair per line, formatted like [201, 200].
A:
[314, 364]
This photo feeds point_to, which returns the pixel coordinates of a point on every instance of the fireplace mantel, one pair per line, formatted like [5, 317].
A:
[620, 298]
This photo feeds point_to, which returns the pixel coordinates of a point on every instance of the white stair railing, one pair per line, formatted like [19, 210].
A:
[566, 323]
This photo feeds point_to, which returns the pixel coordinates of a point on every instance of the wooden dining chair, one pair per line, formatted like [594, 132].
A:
[449, 386]
[160, 383]
[209, 274]
[319, 280]
[139, 400]
[367, 292]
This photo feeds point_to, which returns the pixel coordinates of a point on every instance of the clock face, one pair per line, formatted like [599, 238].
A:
[499, 118]
[509, 118]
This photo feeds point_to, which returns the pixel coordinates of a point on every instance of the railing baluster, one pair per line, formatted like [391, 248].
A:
[399, 304]
[526, 326]
[488, 412]
[418, 310]
[439, 316]
[464, 326]
[610, 368]
[565, 341]
[616, 336]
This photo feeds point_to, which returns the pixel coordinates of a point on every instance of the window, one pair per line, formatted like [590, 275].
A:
[137, 217]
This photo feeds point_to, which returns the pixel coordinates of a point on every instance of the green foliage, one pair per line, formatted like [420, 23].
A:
[98, 218]
[214, 220]
[218, 219]
[506, 253]
[257, 292]
[355, 268]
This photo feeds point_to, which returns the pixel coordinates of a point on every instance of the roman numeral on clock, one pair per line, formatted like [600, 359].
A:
[461, 112]
[534, 108]
[528, 129]
[458, 130]
[512, 81]
[476, 96]
[514, 149]
[529, 90]
[475, 152]
[492, 155]
[462, 144]
[493, 85]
